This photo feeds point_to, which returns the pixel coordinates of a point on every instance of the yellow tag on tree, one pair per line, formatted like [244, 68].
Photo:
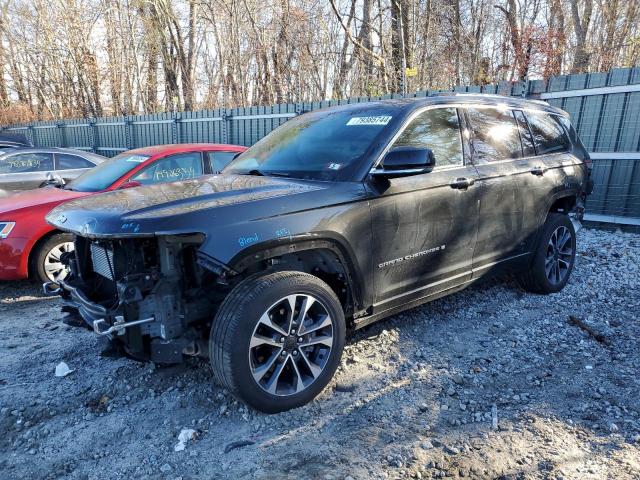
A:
[411, 72]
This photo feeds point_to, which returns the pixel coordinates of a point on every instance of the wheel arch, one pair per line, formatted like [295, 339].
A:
[562, 202]
[35, 246]
[326, 258]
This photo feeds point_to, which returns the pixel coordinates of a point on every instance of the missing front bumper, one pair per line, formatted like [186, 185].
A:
[107, 323]
[119, 326]
[73, 297]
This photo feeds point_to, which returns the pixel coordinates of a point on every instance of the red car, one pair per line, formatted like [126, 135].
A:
[31, 247]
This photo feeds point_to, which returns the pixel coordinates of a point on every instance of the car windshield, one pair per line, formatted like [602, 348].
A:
[104, 174]
[316, 145]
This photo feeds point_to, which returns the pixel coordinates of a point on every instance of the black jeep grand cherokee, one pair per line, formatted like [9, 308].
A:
[338, 218]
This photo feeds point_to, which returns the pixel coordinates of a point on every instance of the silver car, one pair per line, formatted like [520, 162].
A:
[27, 168]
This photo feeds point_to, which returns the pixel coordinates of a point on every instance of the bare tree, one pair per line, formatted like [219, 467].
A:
[64, 58]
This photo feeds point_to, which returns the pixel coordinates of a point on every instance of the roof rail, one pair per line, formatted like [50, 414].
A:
[467, 94]
[489, 95]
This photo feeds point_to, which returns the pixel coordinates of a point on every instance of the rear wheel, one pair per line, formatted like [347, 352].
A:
[47, 265]
[553, 258]
[277, 340]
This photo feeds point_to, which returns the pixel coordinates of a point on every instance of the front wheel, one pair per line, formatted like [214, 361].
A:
[277, 339]
[553, 258]
[47, 265]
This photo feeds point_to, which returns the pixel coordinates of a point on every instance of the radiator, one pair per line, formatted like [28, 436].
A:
[102, 259]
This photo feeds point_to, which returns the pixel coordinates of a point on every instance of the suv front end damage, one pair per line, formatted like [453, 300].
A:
[147, 292]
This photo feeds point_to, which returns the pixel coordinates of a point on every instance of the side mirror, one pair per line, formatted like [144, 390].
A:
[130, 184]
[405, 161]
[52, 179]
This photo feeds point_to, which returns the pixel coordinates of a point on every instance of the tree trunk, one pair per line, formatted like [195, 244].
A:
[581, 28]
[345, 63]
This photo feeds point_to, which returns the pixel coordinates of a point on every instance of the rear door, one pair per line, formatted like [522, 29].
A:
[496, 147]
[24, 171]
[424, 226]
[217, 160]
[552, 170]
[69, 166]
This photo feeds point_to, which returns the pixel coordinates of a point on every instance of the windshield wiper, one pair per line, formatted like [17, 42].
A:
[259, 173]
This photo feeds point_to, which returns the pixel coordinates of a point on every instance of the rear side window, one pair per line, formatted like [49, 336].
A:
[27, 163]
[528, 148]
[66, 161]
[548, 134]
[439, 130]
[495, 134]
[182, 166]
[576, 145]
[219, 160]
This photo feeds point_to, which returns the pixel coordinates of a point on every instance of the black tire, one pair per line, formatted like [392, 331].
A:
[537, 278]
[238, 320]
[38, 271]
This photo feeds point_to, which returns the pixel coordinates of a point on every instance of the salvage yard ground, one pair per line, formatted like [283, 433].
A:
[488, 383]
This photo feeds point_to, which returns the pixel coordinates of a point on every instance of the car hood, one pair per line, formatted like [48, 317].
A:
[184, 207]
[12, 201]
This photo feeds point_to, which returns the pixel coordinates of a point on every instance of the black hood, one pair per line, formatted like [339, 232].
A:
[180, 207]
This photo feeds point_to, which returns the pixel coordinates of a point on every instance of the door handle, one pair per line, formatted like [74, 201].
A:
[462, 183]
[538, 171]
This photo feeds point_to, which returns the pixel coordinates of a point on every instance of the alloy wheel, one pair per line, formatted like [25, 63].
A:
[291, 344]
[54, 269]
[559, 256]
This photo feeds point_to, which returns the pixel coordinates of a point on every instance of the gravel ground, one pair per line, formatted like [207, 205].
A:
[488, 383]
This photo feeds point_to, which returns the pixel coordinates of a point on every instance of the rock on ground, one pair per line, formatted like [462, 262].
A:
[491, 382]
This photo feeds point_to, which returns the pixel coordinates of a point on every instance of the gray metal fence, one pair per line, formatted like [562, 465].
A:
[604, 107]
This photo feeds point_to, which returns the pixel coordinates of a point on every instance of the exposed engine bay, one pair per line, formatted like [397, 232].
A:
[146, 291]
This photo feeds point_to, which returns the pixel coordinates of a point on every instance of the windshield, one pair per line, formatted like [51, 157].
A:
[316, 145]
[104, 174]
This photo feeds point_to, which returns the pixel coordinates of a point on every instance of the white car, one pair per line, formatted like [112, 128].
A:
[27, 168]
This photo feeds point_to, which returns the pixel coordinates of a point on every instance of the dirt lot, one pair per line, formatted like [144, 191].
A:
[488, 383]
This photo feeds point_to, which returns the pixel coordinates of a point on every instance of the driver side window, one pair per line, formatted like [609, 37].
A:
[439, 130]
[27, 163]
[182, 166]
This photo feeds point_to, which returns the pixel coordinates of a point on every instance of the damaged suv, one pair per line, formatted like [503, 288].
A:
[338, 218]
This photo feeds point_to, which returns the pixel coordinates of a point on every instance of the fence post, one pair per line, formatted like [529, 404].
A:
[175, 128]
[93, 135]
[225, 129]
[63, 136]
[30, 132]
[128, 133]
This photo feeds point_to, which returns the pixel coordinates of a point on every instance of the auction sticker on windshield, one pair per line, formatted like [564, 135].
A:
[378, 120]
[137, 158]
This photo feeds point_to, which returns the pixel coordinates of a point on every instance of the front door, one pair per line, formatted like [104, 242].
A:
[24, 171]
[172, 168]
[424, 226]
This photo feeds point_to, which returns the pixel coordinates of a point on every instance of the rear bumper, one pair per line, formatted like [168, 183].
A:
[13, 258]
